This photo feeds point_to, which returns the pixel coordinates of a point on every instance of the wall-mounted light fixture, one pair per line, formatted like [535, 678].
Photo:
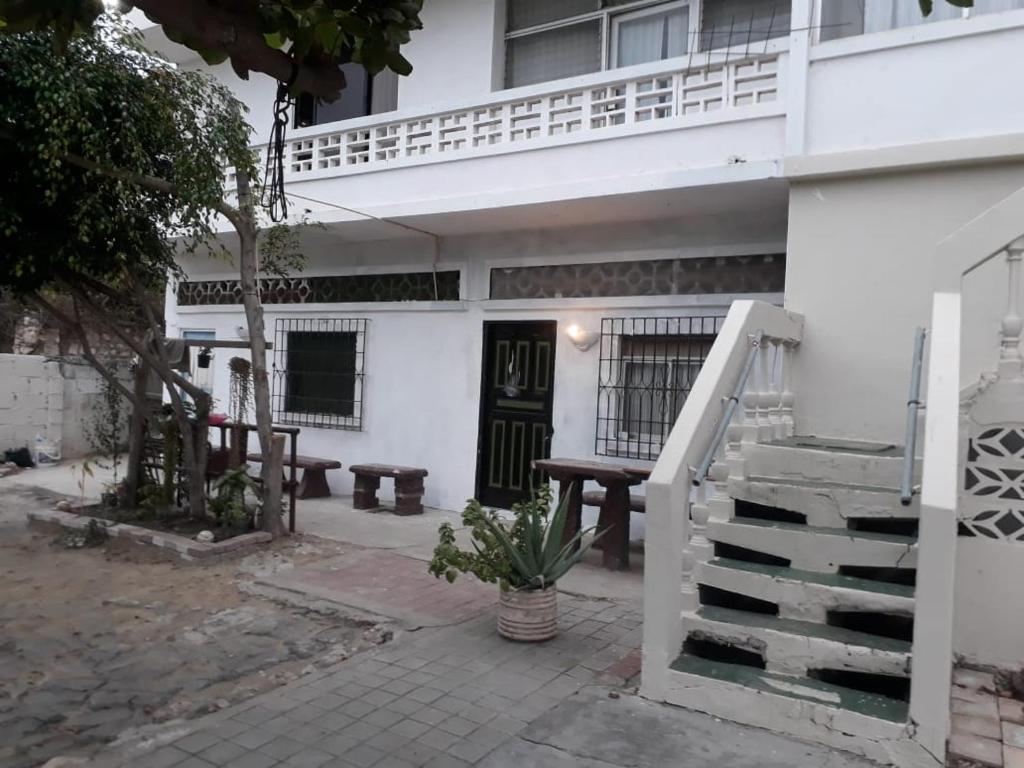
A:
[582, 339]
[203, 358]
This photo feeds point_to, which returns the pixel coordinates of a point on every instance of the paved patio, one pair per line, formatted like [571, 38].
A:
[448, 691]
[463, 696]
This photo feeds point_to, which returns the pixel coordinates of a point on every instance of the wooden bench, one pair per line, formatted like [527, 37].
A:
[408, 487]
[313, 484]
[596, 499]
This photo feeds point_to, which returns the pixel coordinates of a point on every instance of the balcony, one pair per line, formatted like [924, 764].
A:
[665, 127]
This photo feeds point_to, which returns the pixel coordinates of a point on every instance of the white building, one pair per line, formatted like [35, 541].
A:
[629, 170]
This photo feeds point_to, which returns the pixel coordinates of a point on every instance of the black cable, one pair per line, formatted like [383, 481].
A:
[272, 197]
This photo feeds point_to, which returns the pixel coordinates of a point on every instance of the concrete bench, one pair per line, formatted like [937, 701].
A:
[408, 487]
[313, 484]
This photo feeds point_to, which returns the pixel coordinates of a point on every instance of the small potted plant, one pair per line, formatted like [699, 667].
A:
[524, 555]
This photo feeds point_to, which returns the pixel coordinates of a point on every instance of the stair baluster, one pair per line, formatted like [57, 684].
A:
[788, 397]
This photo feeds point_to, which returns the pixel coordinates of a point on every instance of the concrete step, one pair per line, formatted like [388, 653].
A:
[864, 724]
[793, 647]
[814, 548]
[807, 689]
[826, 504]
[805, 595]
[814, 459]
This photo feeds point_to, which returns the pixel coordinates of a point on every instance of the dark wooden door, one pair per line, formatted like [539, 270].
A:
[515, 412]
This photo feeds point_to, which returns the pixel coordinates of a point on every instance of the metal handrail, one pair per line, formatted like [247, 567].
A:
[730, 407]
[913, 406]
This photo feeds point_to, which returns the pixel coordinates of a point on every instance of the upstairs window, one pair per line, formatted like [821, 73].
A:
[548, 40]
[841, 18]
[363, 95]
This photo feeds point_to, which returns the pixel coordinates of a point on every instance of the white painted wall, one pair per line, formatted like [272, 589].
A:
[858, 269]
[938, 81]
[51, 398]
[423, 360]
[989, 622]
[453, 56]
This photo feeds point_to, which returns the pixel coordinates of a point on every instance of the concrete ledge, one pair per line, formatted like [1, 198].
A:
[181, 547]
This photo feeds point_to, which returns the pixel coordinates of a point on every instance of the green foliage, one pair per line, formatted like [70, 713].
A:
[523, 553]
[926, 5]
[241, 388]
[107, 101]
[314, 33]
[229, 505]
[105, 431]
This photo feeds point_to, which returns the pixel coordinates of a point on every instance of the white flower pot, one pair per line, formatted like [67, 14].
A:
[528, 615]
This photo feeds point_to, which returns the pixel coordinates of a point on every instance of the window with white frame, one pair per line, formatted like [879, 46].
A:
[647, 369]
[842, 18]
[548, 40]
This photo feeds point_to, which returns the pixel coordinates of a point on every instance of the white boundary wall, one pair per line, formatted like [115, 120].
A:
[47, 397]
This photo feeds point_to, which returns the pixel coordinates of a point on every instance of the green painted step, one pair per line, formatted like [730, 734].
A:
[891, 538]
[814, 577]
[797, 482]
[802, 628]
[838, 445]
[869, 704]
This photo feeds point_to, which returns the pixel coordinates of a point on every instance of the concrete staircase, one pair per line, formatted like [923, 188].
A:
[806, 586]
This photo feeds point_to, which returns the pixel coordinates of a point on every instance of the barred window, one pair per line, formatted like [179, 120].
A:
[318, 372]
[647, 368]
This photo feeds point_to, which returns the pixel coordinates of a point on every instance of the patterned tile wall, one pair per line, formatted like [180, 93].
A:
[401, 286]
[656, 277]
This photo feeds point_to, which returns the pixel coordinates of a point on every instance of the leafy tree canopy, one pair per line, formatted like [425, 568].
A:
[78, 130]
[297, 41]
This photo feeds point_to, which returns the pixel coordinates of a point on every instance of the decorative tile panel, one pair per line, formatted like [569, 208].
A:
[655, 277]
[993, 491]
[398, 286]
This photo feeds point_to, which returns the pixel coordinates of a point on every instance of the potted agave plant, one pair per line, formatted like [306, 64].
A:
[524, 555]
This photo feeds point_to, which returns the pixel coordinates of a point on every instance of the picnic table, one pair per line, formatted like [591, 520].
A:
[571, 474]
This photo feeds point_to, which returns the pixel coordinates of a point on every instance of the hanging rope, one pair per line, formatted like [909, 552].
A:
[272, 197]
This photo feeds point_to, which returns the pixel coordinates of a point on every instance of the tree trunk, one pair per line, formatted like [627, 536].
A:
[247, 266]
[136, 436]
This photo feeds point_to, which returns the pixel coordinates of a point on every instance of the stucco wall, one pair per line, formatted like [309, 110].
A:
[988, 622]
[457, 55]
[423, 363]
[48, 397]
[859, 270]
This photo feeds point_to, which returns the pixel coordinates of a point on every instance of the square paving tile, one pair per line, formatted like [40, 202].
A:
[1012, 710]
[1013, 735]
[988, 752]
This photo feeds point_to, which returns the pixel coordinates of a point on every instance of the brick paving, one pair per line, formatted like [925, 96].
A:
[987, 728]
[392, 585]
[440, 698]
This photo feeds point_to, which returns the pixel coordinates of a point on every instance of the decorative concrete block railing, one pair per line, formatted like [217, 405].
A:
[677, 514]
[995, 404]
[531, 117]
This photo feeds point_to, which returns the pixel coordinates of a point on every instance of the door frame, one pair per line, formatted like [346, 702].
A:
[482, 411]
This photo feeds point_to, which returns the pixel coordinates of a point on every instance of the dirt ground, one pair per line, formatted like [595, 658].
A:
[96, 643]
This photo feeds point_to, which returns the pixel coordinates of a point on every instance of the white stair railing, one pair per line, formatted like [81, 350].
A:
[994, 233]
[765, 412]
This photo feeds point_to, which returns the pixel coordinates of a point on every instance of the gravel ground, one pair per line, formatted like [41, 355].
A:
[97, 643]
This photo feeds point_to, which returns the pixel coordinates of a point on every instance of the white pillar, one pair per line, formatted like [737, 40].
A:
[1010, 328]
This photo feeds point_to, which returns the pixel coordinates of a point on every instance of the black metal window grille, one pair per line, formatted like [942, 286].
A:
[318, 372]
[647, 367]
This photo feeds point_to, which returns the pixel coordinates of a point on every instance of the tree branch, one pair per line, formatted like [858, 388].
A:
[204, 25]
[87, 352]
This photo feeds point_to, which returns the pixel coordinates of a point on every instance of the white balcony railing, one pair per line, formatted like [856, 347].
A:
[593, 108]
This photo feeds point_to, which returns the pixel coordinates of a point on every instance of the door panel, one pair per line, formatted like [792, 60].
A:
[517, 393]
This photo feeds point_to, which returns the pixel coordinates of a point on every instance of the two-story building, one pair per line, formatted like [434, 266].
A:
[532, 244]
